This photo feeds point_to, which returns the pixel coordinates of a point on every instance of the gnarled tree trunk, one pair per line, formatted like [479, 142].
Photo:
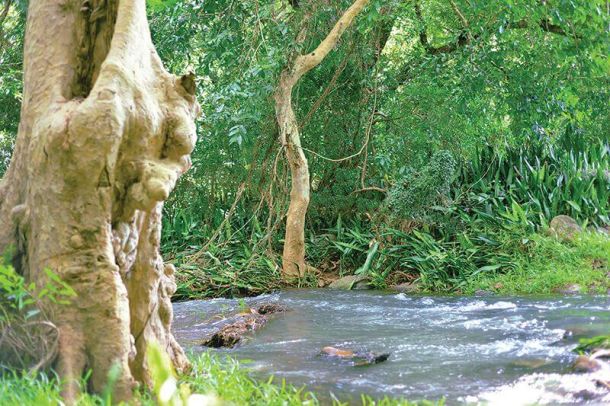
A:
[105, 132]
[293, 258]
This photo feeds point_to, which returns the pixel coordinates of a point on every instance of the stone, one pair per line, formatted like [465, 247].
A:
[482, 292]
[229, 335]
[565, 228]
[586, 364]
[351, 282]
[356, 358]
[270, 308]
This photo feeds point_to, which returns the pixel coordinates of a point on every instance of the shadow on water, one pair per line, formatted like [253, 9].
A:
[466, 349]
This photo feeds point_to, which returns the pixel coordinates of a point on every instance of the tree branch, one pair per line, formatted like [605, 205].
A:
[304, 63]
[462, 40]
[3, 15]
[466, 37]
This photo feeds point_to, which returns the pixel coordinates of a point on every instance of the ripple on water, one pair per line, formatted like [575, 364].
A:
[448, 347]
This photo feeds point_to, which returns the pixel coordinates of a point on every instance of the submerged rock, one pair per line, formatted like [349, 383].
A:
[564, 227]
[231, 334]
[407, 287]
[351, 282]
[357, 358]
[586, 364]
[531, 363]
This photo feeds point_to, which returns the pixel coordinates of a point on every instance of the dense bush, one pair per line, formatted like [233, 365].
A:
[418, 193]
[544, 178]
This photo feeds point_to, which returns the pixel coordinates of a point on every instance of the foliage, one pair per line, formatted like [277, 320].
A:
[223, 377]
[549, 265]
[482, 120]
[544, 178]
[417, 193]
[588, 345]
[27, 340]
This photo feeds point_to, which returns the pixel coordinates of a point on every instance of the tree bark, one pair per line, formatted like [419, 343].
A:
[293, 259]
[105, 132]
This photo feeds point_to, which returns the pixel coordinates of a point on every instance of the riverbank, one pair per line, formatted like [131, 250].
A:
[504, 263]
[223, 379]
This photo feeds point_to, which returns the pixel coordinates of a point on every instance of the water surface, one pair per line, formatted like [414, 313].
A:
[499, 350]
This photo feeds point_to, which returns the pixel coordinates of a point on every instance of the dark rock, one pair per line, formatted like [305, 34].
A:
[482, 292]
[270, 308]
[564, 228]
[586, 395]
[603, 384]
[351, 282]
[586, 364]
[407, 287]
[231, 334]
[356, 358]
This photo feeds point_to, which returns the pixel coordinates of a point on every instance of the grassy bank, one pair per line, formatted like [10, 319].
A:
[552, 266]
[505, 261]
[224, 380]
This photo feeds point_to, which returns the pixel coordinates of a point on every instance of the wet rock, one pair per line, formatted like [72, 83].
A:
[231, 334]
[356, 358]
[586, 364]
[407, 287]
[270, 308]
[586, 395]
[351, 282]
[603, 384]
[573, 289]
[564, 228]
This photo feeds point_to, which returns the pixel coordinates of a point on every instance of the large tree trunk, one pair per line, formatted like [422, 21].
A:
[105, 132]
[293, 258]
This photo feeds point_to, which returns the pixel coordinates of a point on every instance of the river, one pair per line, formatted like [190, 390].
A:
[469, 350]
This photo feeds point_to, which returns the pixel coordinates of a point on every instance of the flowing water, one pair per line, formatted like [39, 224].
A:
[469, 350]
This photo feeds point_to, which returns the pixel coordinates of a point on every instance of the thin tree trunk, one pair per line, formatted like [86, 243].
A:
[293, 259]
[105, 132]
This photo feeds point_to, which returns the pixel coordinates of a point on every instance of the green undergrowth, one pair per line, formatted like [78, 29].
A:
[509, 260]
[549, 266]
[224, 379]
[452, 227]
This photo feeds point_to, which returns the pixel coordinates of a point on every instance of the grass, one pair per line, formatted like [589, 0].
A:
[549, 265]
[224, 377]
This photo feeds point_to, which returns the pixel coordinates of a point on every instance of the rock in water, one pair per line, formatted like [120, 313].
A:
[231, 334]
[564, 227]
[270, 308]
[407, 287]
[586, 364]
[357, 358]
[349, 282]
